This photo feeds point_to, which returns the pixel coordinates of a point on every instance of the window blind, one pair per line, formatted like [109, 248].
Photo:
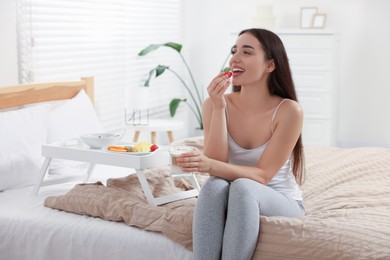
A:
[62, 40]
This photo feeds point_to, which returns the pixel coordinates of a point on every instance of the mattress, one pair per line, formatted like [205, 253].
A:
[347, 201]
[28, 230]
[346, 196]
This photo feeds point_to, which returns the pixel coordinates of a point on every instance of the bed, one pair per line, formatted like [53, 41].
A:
[346, 193]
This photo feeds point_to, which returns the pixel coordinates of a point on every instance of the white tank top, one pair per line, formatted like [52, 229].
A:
[283, 182]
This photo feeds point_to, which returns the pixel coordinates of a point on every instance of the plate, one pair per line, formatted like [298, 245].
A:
[129, 153]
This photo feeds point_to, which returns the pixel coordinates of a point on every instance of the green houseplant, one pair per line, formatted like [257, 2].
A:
[192, 89]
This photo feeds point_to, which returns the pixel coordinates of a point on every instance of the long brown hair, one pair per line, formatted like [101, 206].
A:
[280, 83]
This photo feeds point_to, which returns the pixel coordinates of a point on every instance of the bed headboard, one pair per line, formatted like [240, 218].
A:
[40, 92]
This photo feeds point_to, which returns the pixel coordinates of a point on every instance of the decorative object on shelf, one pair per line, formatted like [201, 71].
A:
[311, 19]
[319, 21]
[137, 107]
[264, 17]
[192, 89]
[307, 14]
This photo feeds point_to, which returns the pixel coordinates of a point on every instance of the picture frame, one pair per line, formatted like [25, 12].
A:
[319, 21]
[307, 15]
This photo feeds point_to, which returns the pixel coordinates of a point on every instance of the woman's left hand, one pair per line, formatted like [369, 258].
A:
[194, 161]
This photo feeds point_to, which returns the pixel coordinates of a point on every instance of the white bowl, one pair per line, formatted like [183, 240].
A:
[100, 140]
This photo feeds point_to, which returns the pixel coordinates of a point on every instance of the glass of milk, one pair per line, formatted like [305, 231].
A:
[176, 151]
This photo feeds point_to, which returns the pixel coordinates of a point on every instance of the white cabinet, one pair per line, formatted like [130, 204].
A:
[312, 57]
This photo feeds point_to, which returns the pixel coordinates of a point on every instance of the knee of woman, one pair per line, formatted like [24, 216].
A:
[215, 185]
[242, 187]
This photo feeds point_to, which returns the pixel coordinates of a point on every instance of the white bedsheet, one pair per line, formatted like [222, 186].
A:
[28, 230]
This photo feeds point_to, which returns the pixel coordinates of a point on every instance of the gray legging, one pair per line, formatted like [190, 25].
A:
[227, 217]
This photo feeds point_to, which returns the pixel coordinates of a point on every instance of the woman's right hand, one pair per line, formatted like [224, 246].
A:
[194, 161]
[218, 87]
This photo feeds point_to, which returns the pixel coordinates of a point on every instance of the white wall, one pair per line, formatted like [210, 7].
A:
[8, 44]
[362, 25]
[364, 34]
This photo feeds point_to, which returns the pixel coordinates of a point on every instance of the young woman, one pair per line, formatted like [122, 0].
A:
[253, 150]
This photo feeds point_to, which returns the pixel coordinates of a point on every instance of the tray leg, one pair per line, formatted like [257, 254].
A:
[89, 172]
[194, 182]
[176, 196]
[145, 187]
[167, 198]
[42, 174]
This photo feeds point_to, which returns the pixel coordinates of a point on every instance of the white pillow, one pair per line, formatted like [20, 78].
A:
[69, 120]
[73, 118]
[22, 132]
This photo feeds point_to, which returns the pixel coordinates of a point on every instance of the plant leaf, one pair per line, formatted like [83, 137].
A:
[174, 104]
[160, 70]
[146, 84]
[148, 49]
[152, 47]
[174, 45]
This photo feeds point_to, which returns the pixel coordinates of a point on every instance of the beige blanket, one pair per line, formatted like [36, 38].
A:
[123, 200]
[347, 200]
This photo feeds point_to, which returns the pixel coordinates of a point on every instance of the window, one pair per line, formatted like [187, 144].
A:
[67, 39]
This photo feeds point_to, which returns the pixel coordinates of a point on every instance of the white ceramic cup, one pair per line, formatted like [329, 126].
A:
[176, 151]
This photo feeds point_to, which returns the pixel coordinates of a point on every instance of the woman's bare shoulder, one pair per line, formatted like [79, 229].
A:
[290, 110]
[292, 106]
